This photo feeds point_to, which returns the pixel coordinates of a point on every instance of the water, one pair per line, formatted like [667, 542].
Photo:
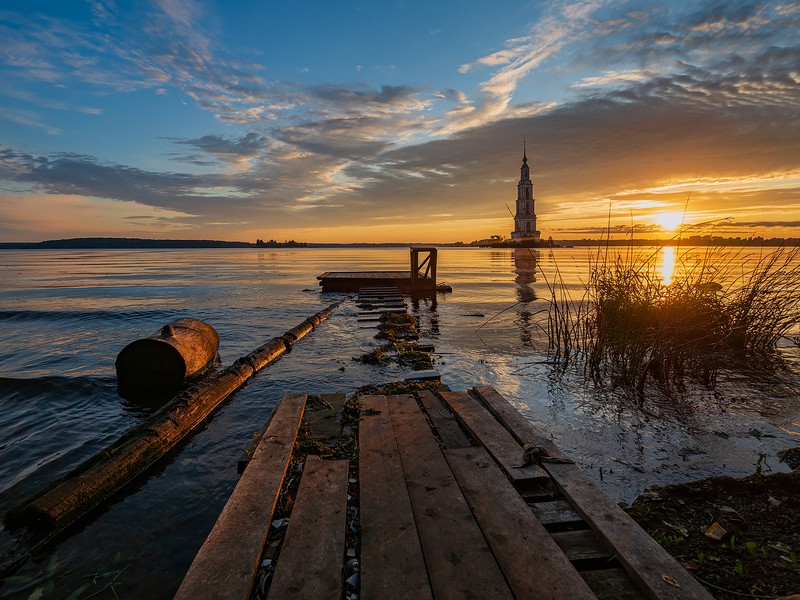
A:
[64, 315]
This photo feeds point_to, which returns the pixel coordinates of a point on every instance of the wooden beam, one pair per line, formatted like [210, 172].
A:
[312, 555]
[445, 423]
[390, 547]
[226, 564]
[459, 561]
[533, 564]
[647, 563]
[499, 442]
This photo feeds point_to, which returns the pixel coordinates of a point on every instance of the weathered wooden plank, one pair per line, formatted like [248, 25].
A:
[652, 567]
[311, 559]
[581, 545]
[226, 563]
[612, 584]
[428, 375]
[533, 564]
[446, 425]
[459, 561]
[556, 512]
[499, 442]
[517, 425]
[390, 547]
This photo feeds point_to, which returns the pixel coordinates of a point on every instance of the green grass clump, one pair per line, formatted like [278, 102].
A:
[630, 326]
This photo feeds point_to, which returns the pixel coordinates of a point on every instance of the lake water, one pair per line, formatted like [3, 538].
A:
[64, 316]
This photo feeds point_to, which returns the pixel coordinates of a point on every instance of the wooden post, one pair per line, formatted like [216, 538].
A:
[423, 274]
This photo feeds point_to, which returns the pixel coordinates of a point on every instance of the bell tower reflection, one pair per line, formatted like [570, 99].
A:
[525, 260]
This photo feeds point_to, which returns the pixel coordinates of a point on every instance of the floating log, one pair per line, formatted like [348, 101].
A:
[109, 471]
[162, 362]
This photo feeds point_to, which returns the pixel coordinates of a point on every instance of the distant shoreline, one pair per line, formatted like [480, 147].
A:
[142, 243]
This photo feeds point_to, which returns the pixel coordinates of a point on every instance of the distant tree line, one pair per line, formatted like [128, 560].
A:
[692, 240]
[133, 243]
[275, 244]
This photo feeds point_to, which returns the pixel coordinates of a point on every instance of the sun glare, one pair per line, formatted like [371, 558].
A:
[668, 221]
[667, 264]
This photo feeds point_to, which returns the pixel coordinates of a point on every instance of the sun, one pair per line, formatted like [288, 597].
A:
[668, 221]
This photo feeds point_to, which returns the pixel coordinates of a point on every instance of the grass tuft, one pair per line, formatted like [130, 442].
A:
[630, 326]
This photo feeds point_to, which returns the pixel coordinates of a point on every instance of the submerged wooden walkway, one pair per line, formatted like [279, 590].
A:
[448, 507]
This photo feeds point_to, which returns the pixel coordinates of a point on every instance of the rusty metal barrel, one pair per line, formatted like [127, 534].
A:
[161, 363]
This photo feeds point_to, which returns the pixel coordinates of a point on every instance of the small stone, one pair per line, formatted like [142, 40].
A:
[774, 501]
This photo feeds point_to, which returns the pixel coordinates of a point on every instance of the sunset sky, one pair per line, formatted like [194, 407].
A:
[396, 121]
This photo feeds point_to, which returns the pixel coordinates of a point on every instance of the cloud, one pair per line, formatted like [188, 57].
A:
[234, 152]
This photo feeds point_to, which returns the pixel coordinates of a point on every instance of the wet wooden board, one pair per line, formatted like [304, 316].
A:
[311, 559]
[500, 444]
[226, 564]
[556, 512]
[447, 427]
[581, 545]
[612, 584]
[459, 561]
[652, 567]
[532, 562]
[390, 546]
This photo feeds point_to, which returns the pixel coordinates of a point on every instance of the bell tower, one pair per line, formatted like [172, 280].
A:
[525, 218]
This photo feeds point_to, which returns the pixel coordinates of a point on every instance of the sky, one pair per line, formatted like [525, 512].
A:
[397, 121]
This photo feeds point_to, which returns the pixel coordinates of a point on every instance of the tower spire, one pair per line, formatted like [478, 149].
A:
[524, 152]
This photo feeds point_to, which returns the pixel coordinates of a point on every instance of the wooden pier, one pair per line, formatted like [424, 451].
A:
[420, 278]
[448, 504]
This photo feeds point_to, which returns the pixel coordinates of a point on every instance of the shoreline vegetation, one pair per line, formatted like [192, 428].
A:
[630, 328]
[112, 243]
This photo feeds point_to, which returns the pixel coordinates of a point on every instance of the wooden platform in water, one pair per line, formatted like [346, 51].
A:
[342, 281]
[445, 508]
[420, 278]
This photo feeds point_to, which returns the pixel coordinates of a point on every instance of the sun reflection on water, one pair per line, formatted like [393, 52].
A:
[667, 264]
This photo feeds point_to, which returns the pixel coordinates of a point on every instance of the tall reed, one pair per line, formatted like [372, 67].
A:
[727, 310]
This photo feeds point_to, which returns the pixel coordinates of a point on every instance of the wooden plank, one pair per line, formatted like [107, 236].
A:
[226, 564]
[312, 555]
[427, 375]
[517, 425]
[533, 564]
[581, 545]
[500, 444]
[446, 425]
[652, 567]
[612, 584]
[556, 512]
[390, 547]
[459, 561]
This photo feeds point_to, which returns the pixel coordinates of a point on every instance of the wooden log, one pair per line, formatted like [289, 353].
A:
[459, 561]
[162, 362]
[227, 562]
[312, 555]
[392, 565]
[647, 563]
[533, 564]
[108, 471]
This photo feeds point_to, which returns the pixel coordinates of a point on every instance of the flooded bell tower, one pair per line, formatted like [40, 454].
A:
[525, 218]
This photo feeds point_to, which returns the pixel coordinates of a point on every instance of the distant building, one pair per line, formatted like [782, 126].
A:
[525, 219]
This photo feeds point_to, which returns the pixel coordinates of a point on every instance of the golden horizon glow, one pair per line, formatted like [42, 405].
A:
[669, 221]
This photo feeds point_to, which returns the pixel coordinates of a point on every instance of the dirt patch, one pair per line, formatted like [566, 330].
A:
[755, 520]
